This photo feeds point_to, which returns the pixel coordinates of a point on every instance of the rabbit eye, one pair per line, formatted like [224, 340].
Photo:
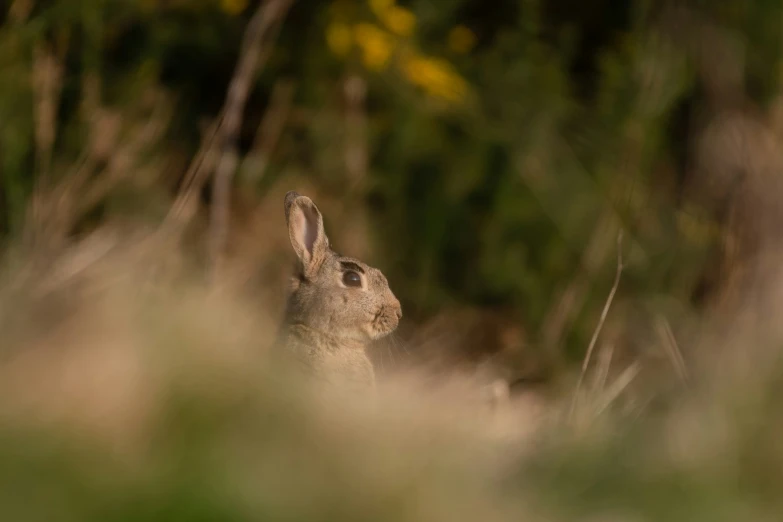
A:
[351, 278]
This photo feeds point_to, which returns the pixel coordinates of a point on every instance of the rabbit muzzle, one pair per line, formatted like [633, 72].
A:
[386, 319]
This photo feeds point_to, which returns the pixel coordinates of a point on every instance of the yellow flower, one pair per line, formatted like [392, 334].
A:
[461, 39]
[399, 21]
[379, 7]
[436, 77]
[376, 45]
[339, 38]
[233, 7]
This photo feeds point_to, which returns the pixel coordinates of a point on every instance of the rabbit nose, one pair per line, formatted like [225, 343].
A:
[395, 306]
[398, 309]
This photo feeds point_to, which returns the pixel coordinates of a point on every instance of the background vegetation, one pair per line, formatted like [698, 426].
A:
[547, 182]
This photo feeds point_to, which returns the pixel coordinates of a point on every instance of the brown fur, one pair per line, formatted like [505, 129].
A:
[328, 325]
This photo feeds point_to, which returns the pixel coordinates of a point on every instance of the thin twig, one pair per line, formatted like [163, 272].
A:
[604, 364]
[672, 349]
[260, 30]
[596, 333]
[561, 315]
[47, 83]
[617, 387]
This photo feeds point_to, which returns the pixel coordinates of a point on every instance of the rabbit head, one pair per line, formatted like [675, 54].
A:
[333, 294]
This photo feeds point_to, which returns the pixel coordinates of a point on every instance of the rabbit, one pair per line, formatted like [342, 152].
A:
[337, 305]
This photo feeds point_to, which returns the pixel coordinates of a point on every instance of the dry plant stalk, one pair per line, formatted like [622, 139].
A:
[561, 315]
[355, 91]
[355, 157]
[604, 364]
[58, 207]
[617, 387]
[47, 84]
[262, 29]
[672, 348]
[202, 164]
[46, 81]
[271, 127]
[599, 327]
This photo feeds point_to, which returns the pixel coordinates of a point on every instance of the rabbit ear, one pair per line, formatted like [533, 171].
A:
[306, 230]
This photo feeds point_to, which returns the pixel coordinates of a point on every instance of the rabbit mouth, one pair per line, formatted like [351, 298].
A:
[384, 323]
